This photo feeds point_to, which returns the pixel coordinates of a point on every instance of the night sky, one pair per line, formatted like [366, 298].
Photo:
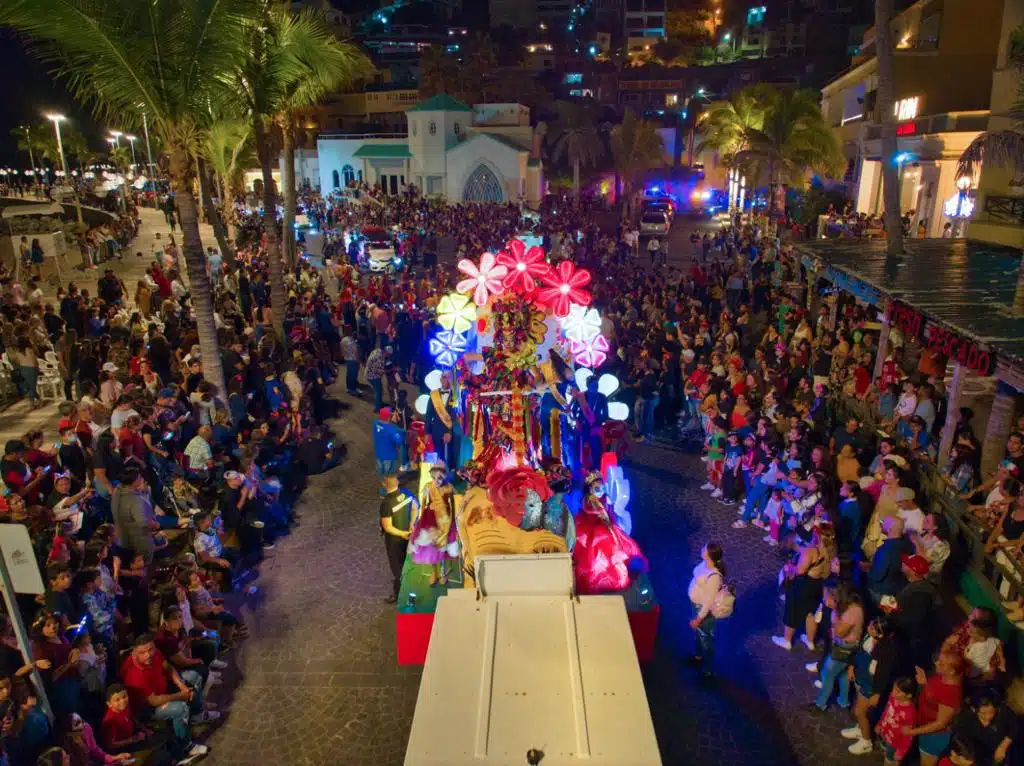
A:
[29, 93]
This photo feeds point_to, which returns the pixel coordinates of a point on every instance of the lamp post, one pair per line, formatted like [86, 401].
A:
[117, 137]
[28, 142]
[131, 140]
[149, 152]
[57, 119]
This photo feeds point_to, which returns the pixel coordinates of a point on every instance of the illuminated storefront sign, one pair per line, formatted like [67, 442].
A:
[906, 108]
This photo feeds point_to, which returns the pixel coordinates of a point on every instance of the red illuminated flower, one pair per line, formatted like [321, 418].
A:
[565, 287]
[525, 267]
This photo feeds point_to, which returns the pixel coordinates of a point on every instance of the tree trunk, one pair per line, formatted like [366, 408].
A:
[278, 295]
[288, 181]
[576, 178]
[220, 230]
[885, 100]
[195, 264]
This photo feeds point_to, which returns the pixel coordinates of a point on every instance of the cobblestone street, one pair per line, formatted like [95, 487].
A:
[320, 683]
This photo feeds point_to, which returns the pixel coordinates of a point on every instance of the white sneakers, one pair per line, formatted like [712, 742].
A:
[861, 747]
[716, 494]
[218, 664]
[782, 643]
[811, 667]
[807, 642]
[707, 486]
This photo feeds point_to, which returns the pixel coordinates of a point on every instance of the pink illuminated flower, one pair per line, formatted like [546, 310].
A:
[483, 279]
[590, 353]
[565, 287]
[525, 267]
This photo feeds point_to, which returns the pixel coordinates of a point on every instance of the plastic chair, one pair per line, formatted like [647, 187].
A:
[50, 377]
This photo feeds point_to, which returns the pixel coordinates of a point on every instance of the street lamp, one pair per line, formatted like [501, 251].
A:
[117, 136]
[57, 119]
[131, 139]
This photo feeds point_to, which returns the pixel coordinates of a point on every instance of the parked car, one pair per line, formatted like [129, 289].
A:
[655, 222]
[660, 206]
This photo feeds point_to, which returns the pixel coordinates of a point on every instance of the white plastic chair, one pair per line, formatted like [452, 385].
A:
[49, 376]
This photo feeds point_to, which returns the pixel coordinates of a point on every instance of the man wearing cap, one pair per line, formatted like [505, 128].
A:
[906, 509]
[915, 604]
[387, 442]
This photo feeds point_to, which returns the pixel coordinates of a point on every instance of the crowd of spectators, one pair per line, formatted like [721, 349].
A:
[155, 497]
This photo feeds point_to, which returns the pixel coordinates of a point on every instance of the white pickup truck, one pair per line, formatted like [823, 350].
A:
[521, 671]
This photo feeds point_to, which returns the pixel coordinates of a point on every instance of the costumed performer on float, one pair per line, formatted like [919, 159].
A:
[604, 557]
[559, 411]
[595, 415]
[433, 539]
[441, 421]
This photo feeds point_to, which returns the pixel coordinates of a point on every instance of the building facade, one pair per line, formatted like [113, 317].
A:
[486, 153]
[943, 83]
[999, 203]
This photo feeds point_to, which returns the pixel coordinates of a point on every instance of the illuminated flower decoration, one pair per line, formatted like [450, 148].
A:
[455, 312]
[483, 279]
[581, 324]
[565, 287]
[525, 267]
[447, 347]
[590, 353]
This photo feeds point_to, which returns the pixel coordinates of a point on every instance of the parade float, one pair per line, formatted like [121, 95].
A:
[519, 446]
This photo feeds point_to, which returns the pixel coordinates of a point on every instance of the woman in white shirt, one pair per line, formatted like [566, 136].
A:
[708, 580]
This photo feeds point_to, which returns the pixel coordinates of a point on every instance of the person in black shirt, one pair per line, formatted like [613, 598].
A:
[396, 509]
[70, 453]
[315, 454]
[159, 353]
[988, 727]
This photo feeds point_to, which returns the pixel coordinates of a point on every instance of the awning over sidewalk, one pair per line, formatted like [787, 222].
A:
[967, 286]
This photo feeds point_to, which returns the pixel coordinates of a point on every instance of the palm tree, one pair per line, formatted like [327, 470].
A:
[291, 60]
[339, 64]
[123, 58]
[227, 147]
[793, 139]
[890, 146]
[636, 147]
[725, 126]
[576, 137]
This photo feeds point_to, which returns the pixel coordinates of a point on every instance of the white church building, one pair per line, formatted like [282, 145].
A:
[484, 153]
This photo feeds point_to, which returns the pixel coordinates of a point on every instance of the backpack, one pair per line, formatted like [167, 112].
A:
[724, 602]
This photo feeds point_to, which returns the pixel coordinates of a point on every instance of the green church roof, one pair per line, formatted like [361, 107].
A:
[382, 151]
[442, 102]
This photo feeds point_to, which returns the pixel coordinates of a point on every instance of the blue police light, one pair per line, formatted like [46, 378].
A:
[592, 50]
[903, 157]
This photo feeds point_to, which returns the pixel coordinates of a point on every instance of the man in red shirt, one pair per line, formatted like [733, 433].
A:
[149, 678]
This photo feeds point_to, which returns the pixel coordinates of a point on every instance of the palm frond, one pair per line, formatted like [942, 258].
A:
[1001, 148]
